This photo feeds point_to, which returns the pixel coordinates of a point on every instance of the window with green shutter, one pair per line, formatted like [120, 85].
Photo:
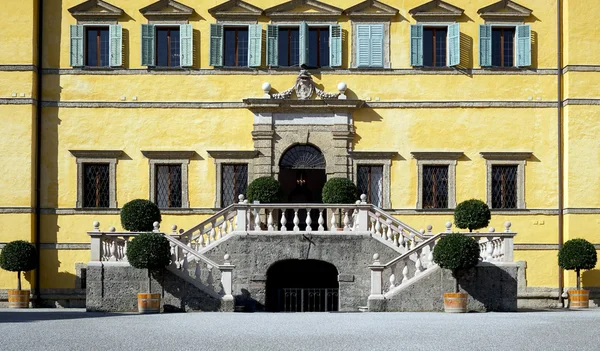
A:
[435, 46]
[167, 45]
[369, 45]
[96, 45]
[504, 46]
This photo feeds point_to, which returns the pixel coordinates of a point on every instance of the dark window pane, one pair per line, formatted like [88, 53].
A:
[318, 47]
[324, 47]
[242, 45]
[509, 45]
[229, 47]
[440, 47]
[435, 187]
[370, 183]
[96, 47]
[167, 47]
[168, 186]
[104, 50]
[428, 47]
[289, 45]
[96, 185]
[174, 37]
[234, 182]
[434, 47]
[504, 186]
[503, 43]
[91, 45]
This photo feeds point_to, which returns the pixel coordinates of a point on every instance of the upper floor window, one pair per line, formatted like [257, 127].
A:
[435, 46]
[312, 46]
[235, 46]
[167, 45]
[96, 45]
[369, 45]
[504, 46]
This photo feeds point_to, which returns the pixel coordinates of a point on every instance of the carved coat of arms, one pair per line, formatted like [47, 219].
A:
[304, 86]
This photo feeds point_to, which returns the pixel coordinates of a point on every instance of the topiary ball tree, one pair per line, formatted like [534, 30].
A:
[139, 215]
[577, 254]
[150, 251]
[472, 214]
[18, 256]
[265, 190]
[456, 252]
[339, 191]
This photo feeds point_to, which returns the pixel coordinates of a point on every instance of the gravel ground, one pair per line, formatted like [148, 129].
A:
[58, 329]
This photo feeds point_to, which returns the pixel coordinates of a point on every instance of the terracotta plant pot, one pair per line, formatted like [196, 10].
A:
[579, 299]
[455, 302]
[148, 303]
[18, 299]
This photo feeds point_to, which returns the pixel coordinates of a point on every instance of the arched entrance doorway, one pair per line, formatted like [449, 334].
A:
[302, 176]
[302, 286]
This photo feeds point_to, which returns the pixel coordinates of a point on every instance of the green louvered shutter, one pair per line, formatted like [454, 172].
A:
[523, 46]
[363, 45]
[115, 45]
[77, 45]
[453, 44]
[335, 45]
[216, 45]
[485, 45]
[148, 35]
[186, 45]
[254, 45]
[303, 60]
[376, 42]
[416, 45]
[272, 45]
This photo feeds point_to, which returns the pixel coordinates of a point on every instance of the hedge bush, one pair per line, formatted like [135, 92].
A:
[264, 189]
[139, 215]
[472, 214]
[456, 252]
[577, 254]
[150, 251]
[339, 191]
[18, 256]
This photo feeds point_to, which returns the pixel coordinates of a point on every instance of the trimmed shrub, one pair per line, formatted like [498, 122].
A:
[339, 191]
[150, 251]
[18, 256]
[577, 254]
[472, 214]
[139, 215]
[456, 252]
[264, 189]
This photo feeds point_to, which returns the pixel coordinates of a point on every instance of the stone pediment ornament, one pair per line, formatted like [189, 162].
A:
[371, 9]
[504, 9]
[95, 8]
[167, 8]
[236, 9]
[436, 9]
[305, 88]
[303, 9]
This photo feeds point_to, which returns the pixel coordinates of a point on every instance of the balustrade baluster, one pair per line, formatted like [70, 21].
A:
[250, 220]
[283, 220]
[270, 221]
[321, 221]
[333, 220]
[308, 221]
[490, 249]
[223, 229]
[390, 233]
[114, 249]
[495, 252]
[257, 223]
[430, 262]
[418, 263]
[405, 273]
[378, 228]
[392, 281]
[412, 242]
[372, 228]
[396, 235]
[296, 220]
[125, 245]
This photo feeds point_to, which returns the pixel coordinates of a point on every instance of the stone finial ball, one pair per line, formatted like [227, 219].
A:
[174, 227]
[266, 87]
[429, 227]
[226, 257]
[112, 229]
[156, 225]
[448, 225]
[241, 197]
[491, 229]
[376, 257]
[342, 86]
[96, 224]
[507, 225]
[363, 198]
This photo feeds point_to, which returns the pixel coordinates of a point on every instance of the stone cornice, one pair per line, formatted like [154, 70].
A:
[286, 10]
[371, 9]
[96, 153]
[85, 10]
[436, 9]
[504, 155]
[504, 9]
[226, 10]
[232, 154]
[436, 155]
[169, 155]
[373, 155]
[261, 104]
[178, 10]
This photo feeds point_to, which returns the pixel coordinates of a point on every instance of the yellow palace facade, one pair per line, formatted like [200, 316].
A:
[423, 104]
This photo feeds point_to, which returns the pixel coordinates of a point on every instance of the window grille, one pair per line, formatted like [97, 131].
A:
[168, 186]
[234, 182]
[96, 189]
[504, 186]
[435, 186]
[370, 183]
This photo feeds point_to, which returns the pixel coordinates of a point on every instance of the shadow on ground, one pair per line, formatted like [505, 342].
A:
[25, 316]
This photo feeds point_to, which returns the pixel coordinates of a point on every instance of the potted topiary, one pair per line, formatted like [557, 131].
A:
[139, 215]
[265, 190]
[150, 251]
[578, 254]
[456, 252]
[18, 256]
[339, 191]
[472, 214]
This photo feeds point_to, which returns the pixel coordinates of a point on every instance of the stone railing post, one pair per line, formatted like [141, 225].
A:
[376, 279]
[508, 245]
[363, 215]
[226, 278]
[241, 223]
[96, 243]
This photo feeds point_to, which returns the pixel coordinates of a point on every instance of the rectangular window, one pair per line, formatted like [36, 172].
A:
[235, 48]
[370, 183]
[168, 186]
[504, 186]
[503, 47]
[289, 46]
[167, 47]
[96, 189]
[234, 182]
[97, 47]
[435, 187]
[318, 47]
[434, 46]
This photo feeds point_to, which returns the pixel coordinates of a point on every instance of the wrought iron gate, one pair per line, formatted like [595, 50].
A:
[307, 299]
